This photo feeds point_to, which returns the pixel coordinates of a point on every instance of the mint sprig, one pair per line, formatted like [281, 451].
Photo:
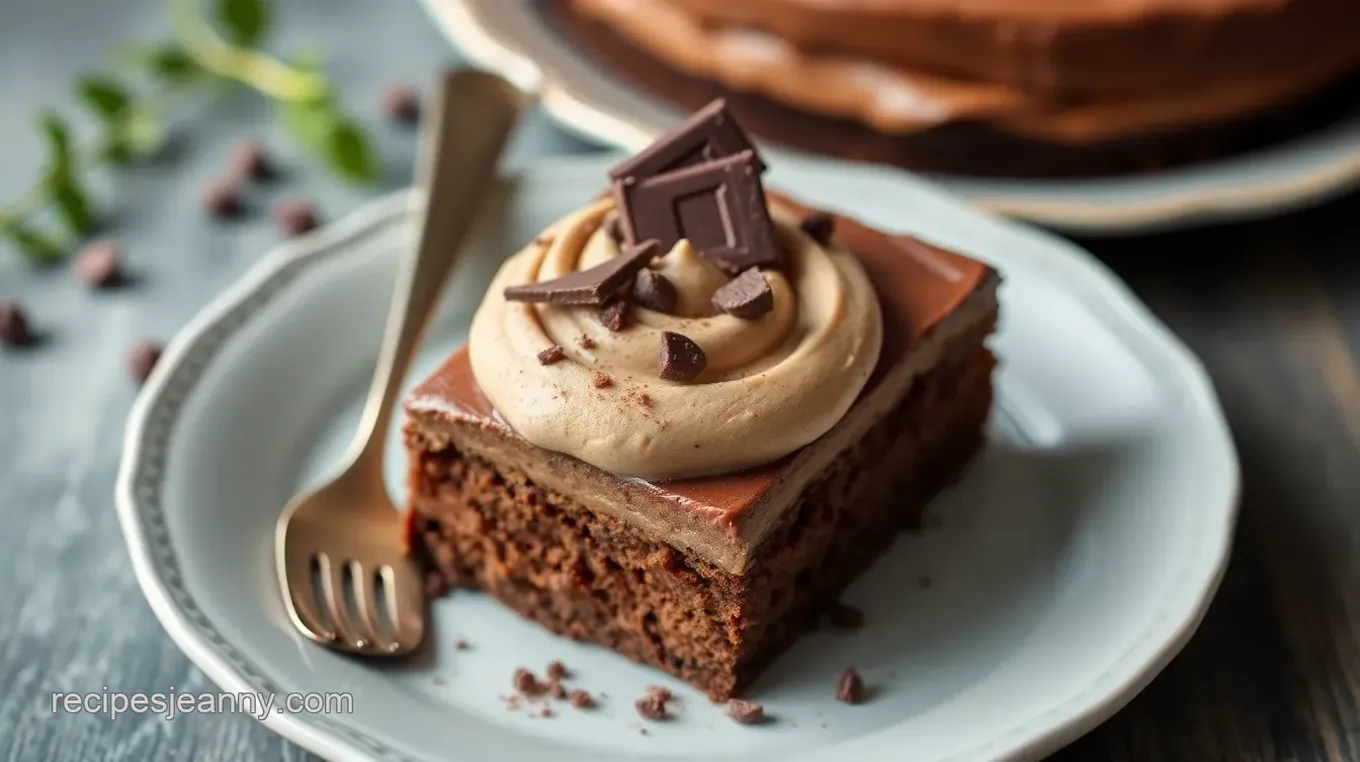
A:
[132, 120]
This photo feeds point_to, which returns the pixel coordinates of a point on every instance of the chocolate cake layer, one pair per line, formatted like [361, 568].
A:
[962, 147]
[587, 575]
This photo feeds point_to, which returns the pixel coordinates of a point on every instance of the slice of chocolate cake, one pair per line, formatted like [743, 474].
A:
[693, 486]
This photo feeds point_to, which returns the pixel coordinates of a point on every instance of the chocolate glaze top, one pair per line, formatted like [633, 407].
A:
[919, 285]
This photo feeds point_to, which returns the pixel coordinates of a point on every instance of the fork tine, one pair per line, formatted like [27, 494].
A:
[405, 604]
[301, 598]
[333, 591]
[366, 601]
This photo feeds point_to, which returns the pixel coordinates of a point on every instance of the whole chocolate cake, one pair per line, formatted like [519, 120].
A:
[995, 87]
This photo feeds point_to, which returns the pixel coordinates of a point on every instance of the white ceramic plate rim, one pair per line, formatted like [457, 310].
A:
[1284, 177]
[192, 350]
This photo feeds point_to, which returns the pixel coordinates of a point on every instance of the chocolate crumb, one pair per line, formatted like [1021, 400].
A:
[850, 689]
[651, 707]
[643, 731]
[249, 162]
[746, 296]
[820, 226]
[557, 691]
[616, 315]
[100, 265]
[681, 358]
[551, 355]
[601, 381]
[402, 104]
[556, 671]
[296, 216]
[582, 699]
[586, 342]
[545, 712]
[654, 291]
[222, 199]
[660, 692]
[14, 328]
[527, 683]
[746, 712]
[845, 617]
[462, 645]
[142, 359]
[613, 227]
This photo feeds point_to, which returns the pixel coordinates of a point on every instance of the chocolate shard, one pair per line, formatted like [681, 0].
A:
[709, 133]
[616, 315]
[718, 206]
[746, 296]
[613, 227]
[588, 287]
[551, 355]
[820, 226]
[654, 291]
[681, 358]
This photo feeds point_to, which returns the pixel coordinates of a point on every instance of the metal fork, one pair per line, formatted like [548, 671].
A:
[339, 551]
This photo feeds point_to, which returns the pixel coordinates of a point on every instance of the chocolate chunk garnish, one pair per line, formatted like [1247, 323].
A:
[654, 291]
[14, 328]
[249, 162]
[402, 104]
[601, 381]
[844, 617]
[588, 287]
[746, 296]
[551, 355]
[709, 133]
[681, 358]
[582, 699]
[142, 359]
[820, 226]
[851, 688]
[718, 206]
[651, 707]
[746, 712]
[616, 315]
[222, 199]
[613, 227]
[100, 265]
[296, 216]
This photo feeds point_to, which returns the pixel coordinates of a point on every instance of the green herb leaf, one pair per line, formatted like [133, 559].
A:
[58, 142]
[36, 244]
[166, 60]
[246, 20]
[74, 207]
[310, 124]
[140, 132]
[104, 96]
[349, 153]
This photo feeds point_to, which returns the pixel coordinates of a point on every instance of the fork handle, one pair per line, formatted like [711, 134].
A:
[466, 132]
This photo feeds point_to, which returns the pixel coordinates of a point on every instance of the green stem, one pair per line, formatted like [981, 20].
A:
[268, 75]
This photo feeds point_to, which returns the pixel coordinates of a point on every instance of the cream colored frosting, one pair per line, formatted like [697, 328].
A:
[771, 385]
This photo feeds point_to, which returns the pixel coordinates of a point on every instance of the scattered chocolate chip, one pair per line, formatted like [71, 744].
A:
[462, 645]
[651, 707]
[557, 691]
[582, 699]
[249, 161]
[820, 226]
[681, 358]
[100, 265]
[746, 712]
[527, 683]
[850, 689]
[14, 328]
[593, 286]
[142, 359]
[402, 104]
[601, 381]
[746, 296]
[613, 227]
[719, 207]
[845, 617]
[551, 355]
[556, 671]
[586, 342]
[222, 199]
[296, 216]
[616, 316]
[654, 291]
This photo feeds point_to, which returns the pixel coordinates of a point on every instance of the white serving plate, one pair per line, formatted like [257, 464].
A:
[517, 36]
[1073, 561]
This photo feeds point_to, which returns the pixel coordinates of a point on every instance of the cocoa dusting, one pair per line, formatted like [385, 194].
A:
[601, 381]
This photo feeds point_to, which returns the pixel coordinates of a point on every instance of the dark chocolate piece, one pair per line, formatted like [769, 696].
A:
[616, 315]
[844, 617]
[249, 162]
[709, 133]
[551, 355]
[14, 329]
[613, 227]
[820, 226]
[746, 296]
[222, 199]
[296, 216]
[681, 358]
[851, 688]
[746, 712]
[582, 699]
[402, 104]
[100, 265]
[654, 291]
[142, 359]
[718, 206]
[588, 287]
